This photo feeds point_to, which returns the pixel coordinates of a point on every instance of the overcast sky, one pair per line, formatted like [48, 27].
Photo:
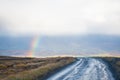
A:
[60, 17]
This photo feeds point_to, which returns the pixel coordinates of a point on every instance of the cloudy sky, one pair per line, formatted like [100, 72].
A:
[59, 17]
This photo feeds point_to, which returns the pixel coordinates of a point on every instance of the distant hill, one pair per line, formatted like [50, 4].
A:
[14, 58]
[61, 45]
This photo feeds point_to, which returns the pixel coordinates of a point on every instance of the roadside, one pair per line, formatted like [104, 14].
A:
[32, 68]
[114, 65]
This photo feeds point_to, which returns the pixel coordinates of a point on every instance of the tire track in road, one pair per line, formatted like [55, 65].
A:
[85, 69]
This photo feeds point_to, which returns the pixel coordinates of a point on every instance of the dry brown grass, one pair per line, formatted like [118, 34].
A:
[33, 69]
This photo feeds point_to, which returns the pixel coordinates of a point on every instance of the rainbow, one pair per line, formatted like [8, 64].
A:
[33, 46]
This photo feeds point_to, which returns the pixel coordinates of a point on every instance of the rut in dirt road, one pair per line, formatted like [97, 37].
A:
[85, 69]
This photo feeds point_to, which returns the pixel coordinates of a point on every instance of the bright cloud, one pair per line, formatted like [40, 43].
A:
[56, 17]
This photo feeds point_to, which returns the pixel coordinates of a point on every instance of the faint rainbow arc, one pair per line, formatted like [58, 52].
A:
[33, 46]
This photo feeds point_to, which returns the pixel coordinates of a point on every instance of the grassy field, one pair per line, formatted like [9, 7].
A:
[16, 68]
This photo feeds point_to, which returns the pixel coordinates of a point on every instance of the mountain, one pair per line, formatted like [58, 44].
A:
[61, 45]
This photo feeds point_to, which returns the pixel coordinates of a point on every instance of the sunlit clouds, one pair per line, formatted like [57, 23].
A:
[60, 17]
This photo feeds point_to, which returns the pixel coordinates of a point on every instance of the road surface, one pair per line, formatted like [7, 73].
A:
[85, 69]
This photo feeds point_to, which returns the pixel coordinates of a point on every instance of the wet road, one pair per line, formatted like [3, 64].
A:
[85, 69]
